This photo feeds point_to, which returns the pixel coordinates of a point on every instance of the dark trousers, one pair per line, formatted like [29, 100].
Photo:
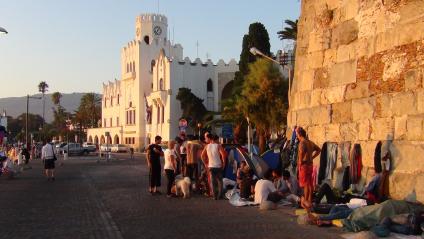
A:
[325, 190]
[171, 178]
[337, 212]
[184, 165]
[192, 172]
[217, 184]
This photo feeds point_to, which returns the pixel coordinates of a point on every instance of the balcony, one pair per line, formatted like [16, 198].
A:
[129, 76]
[157, 97]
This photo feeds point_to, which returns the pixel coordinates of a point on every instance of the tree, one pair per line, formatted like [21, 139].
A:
[263, 98]
[16, 126]
[89, 111]
[257, 37]
[289, 32]
[192, 106]
[43, 88]
[56, 96]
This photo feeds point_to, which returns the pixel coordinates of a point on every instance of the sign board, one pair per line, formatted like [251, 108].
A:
[227, 131]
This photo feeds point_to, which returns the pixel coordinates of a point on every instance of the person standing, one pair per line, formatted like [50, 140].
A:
[307, 151]
[154, 152]
[215, 154]
[170, 167]
[48, 157]
[193, 149]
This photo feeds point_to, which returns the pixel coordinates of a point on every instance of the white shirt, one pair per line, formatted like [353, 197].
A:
[262, 189]
[168, 160]
[47, 152]
[214, 157]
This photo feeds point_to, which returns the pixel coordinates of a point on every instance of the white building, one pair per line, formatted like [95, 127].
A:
[152, 71]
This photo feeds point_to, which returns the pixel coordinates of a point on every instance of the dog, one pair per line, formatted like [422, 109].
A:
[182, 186]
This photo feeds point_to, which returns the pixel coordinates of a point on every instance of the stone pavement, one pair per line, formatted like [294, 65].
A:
[110, 200]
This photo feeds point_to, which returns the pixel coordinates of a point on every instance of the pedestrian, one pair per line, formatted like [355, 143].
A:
[131, 152]
[307, 151]
[194, 149]
[183, 154]
[177, 147]
[154, 152]
[215, 154]
[170, 167]
[48, 157]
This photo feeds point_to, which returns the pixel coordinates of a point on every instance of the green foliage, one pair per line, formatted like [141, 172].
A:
[16, 126]
[192, 106]
[43, 87]
[56, 96]
[264, 97]
[289, 32]
[89, 110]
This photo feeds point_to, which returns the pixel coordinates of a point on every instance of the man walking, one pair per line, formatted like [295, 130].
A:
[215, 154]
[307, 151]
[154, 152]
[48, 157]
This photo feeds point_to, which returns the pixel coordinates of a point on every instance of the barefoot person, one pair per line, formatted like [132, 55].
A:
[307, 151]
[154, 152]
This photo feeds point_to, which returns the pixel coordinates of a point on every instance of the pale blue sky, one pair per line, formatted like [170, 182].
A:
[74, 45]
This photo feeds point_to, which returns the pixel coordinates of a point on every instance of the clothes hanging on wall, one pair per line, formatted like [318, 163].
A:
[294, 145]
[346, 178]
[355, 163]
[377, 158]
[322, 163]
[331, 160]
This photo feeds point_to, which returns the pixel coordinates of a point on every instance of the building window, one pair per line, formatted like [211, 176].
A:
[104, 121]
[133, 66]
[161, 87]
[128, 67]
[163, 114]
[110, 121]
[117, 99]
[152, 65]
[146, 39]
[111, 101]
[133, 114]
[117, 121]
[158, 114]
[209, 85]
[105, 101]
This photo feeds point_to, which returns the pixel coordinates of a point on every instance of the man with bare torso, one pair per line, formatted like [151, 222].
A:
[307, 151]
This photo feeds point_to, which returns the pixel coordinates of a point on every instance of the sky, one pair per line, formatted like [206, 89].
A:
[74, 45]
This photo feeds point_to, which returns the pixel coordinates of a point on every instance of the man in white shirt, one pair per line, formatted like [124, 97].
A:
[48, 157]
[264, 187]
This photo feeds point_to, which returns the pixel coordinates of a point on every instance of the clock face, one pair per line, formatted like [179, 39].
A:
[157, 30]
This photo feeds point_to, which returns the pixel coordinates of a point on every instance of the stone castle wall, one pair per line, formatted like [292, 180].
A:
[359, 77]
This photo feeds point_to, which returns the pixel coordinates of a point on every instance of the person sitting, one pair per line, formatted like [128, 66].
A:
[371, 189]
[264, 187]
[244, 180]
[287, 187]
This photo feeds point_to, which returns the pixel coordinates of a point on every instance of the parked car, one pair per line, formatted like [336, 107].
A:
[72, 149]
[89, 147]
[119, 148]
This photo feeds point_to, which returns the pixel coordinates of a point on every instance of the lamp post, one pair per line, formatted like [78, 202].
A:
[27, 113]
[2, 30]
[199, 125]
[256, 52]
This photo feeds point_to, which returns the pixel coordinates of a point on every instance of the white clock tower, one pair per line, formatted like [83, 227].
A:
[151, 28]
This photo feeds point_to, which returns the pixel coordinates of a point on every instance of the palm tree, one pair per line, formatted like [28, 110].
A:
[43, 88]
[289, 32]
[56, 96]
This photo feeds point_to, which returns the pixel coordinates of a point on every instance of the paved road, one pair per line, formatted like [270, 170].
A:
[92, 199]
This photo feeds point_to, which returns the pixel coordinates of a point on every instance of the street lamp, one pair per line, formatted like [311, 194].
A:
[2, 30]
[26, 121]
[256, 52]
[199, 125]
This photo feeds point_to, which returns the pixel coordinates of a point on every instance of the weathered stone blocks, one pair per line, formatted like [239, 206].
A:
[363, 108]
[344, 33]
[357, 90]
[403, 103]
[341, 112]
[343, 73]
[382, 129]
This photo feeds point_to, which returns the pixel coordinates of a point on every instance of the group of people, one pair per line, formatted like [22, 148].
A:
[202, 161]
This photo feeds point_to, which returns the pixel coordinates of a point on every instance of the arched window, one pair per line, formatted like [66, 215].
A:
[133, 66]
[117, 99]
[209, 85]
[161, 87]
[152, 64]
[128, 68]
[146, 40]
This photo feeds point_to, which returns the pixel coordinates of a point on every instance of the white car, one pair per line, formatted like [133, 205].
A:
[119, 148]
[105, 147]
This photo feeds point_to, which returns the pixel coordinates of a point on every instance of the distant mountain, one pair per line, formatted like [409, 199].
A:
[15, 106]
